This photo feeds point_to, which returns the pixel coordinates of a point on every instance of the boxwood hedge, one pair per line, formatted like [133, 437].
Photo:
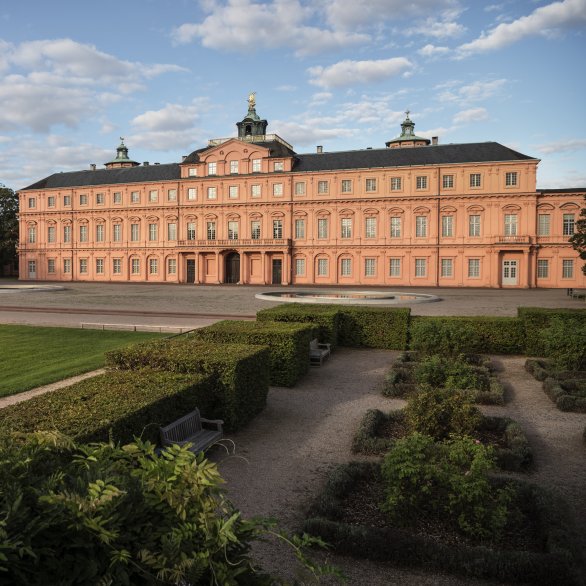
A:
[125, 404]
[240, 372]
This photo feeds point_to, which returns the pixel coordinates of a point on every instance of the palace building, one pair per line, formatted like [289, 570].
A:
[249, 209]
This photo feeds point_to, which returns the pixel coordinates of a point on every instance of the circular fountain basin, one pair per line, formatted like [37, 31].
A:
[347, 297]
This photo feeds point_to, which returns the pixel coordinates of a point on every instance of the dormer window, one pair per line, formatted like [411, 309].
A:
[212, 168]
[279, 166]
[234, 167]
[192, 172]
[256, 165]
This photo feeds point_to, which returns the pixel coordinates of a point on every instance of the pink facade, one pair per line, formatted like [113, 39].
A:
[251, 210]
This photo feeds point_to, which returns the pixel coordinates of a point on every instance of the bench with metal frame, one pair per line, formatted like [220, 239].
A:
[193, 429]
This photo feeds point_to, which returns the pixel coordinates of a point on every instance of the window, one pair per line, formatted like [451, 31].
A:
[172, 195]
[66, 200]
[100, 233]
[569, 224]
[171, 231]
[32, 234]
[543, 269]
[346, 267]
[473, 268]
[567, 269]
[370, 228]
[233, 192]
[299, 228]
[192, 193]
[448, 181]
[256, 165]
[212, 168]
[234, 167]
[447, 226]
[395, 227]
[346, 186]
[32, 268]
[212, 192]
[83, 266]
[153, 266]
[277, 189]
[420, 267]
[300, 267]
[447, 267]
[67, 265]
[51, 265]
[153, 232]
[369, 267]
[421, 182]
[322, 228]
[117, 232]
[135, 197]
[117, 197]
[232, 230]
[32, 202]
[299, 188]
[511, 179]
[277, 228]
[83, 234]
[51, 201]
[421, 226]
[322, 187]
[510, 224]
[543, 224]
[346, 231]
[211, 230]
[99, 266]
[279, 166]
[474, 225]
[255, 229]
[322, 267]
[395, 267]
[66, 233]
[172, 266]
[475, 179]
[100, 199]
[83, 199]
[255, 190]
[371, 185]
[192, 172]
[116, 266]
[191, 230]
[135, 266]
[51, 234]
[134, 232]
[395, 184]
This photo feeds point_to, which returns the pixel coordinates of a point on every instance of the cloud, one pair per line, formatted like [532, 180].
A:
[563, 146]
[433, 51]
[286, 88]
[321, 98]
[349, 72]
[471, 115]
[473, 92]
[309, 134]
[543, 20]
[440, 29]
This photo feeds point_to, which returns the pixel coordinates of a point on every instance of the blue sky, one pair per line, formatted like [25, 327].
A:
[169, 74]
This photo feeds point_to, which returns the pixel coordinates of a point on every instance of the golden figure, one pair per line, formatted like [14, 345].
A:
[251, 100]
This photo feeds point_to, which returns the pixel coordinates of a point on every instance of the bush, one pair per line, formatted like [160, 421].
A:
[564, 341]
[367, 439]
[536, 368]
[240, 373]
[516, 455]
[454, 373]
[120, 404]
[374, 327]
[288, 344]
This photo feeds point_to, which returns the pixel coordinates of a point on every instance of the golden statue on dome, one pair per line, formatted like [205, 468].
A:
[251, 100]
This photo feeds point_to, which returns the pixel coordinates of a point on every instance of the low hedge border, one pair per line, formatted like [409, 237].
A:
[556, 566]
[240, 372]
[120, 405]
[515, 457]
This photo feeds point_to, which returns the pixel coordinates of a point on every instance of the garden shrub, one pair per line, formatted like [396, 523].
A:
[536, 368]
[374, 327]
[564, 342]
[367, 439]
[288, 344]
[117, 404]
[455, 373]
[240, 372]
[516, 455]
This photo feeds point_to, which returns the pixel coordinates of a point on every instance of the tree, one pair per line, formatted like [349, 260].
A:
[8, 227]
[578, 240]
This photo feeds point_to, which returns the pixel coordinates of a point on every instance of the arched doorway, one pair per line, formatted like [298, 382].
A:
[232, 261]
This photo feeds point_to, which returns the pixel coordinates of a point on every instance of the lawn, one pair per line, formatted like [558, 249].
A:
[33, 356]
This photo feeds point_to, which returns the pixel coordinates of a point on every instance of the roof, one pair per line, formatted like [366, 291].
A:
[276, 149]
[569, 190]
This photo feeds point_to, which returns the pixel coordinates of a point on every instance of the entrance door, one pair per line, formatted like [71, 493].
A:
[510, 272]
[277, 271]
[232, 268]
[190, 270]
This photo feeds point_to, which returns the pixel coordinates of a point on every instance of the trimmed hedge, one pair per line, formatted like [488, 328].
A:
[288, 344]
[123, 404]
[240, 372]
[557, 565]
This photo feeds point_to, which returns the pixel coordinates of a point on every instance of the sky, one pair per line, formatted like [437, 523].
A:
[167, 75]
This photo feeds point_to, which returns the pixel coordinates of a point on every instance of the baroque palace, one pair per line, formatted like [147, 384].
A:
[249, 209]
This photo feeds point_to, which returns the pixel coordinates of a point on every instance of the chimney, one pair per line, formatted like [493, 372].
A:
[320, 148]
[183, 158]
[434, 140]
[145, 164]
[92, 166]
[157, 163]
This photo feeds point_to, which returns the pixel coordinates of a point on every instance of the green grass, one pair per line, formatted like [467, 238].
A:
[32, 356]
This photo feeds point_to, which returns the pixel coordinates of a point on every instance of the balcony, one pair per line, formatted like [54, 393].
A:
[512, 239]
[237, 243]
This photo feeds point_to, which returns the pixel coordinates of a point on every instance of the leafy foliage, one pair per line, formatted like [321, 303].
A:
[565, 343]
[454, 373]
[8, 228]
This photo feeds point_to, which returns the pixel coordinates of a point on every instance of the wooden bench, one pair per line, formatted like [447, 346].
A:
[318, 352]
[193, 429]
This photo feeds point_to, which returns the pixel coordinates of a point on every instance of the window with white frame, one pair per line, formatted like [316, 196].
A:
[370, 227]
[67, 265]
[475, 180]
[396, 183]
[32, 268]
[300, 267]
[83, 199]
[447, 267]
[396, 227]
[211, 230]
[100, 232]
[447, 226]
[370, 267]
[233, 192]
[473, 268]
[346, 267]
[511, 179]
[543, 224]
[171, 231]
[346, 228]
[172, 266]
[116, 266]
[117, 197]
[51, 265]
[510, 224]
[66, 233]
[395, 267]
[153, 195]
[447, 181]
[277, 189]
[255, 229]
[135, 266]
[51, 201]
[153, 232]
[322, 267]
[370, 185]
[83, 266]
[256, 165]
[420, 226]
[212, 192]
[83, 234]
[346, 185]
[569, 223]
[192, 193]
[99, 199]
[322, 187]
[322, 228]
[474, 225]
[279, 166]
[190, 231]
[420, 267]
[153, 266]
[567, 269]
[67, 200]
[117, 232]
[300, 228]
[192, 172]
[32, 234]
[234, 167]
[277, 229]
[299, 188]
[255, 190]
[32, 202]
[232, 230]
[51, 236]
[543, 269]
[99, 266]
[135, 197]
[421, 182]
[172, 195]
[212, 168]
[134, 232]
